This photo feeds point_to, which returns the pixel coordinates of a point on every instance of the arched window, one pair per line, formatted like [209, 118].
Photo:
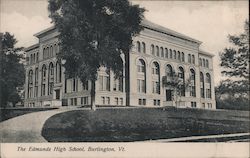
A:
[181, 75]
[208, 85]
[155, 68]
[138, 45]
[155, 78]
[30, 83]
[162, 52]
[193, 59]
[43, 80]
[174, 54]
[202, 85]
[179, 56]
[182, 57]
[189, 58]
[44, 53]
[141, 77]
[207, 65]
[36, 75]
[51, 51]
[37, 57]
[169, 71]
[47, 52]
[157, 51]
[31, 58]
[50, 78]
[143, 47]
[192, 84]
[166, 53]
[152, 49]
[58, 72]
[36, 82]
[203, 62]
[170, 53]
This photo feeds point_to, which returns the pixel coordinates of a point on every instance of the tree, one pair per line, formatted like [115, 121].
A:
[235, 63]
[235, 60]
[177, 85]
[95, 33]
[12, 70]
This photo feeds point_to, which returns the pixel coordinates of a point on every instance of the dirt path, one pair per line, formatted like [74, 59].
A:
[26, 128]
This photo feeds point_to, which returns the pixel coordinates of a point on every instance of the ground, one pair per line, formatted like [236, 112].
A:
[14, 112]
[140, 124]
[73, 124]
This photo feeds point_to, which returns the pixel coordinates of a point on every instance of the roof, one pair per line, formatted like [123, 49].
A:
[44, 31]
[147, 24]
[156, 27]
[34, 46]
[206, 53]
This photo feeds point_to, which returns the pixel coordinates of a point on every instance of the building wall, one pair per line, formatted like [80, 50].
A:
[71, 92]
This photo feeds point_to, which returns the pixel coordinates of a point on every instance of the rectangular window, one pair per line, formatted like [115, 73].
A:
[85, 86]
[144, 101]
[140, 102]
[116, 101]
[156, 87]
[121, 101]
[81, 100]
[193, 104]
[104, 83]
[108, 100]
[103, 100]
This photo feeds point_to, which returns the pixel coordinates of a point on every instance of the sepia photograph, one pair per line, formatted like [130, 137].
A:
[87, 75]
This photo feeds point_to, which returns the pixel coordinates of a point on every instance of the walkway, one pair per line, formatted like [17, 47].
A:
[26, 128]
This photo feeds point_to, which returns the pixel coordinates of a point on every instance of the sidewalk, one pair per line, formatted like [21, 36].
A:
[26, 128]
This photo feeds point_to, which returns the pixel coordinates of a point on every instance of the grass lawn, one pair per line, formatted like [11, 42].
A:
[14, 112]
[134, 124]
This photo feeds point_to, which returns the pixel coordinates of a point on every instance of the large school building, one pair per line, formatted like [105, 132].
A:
[157, 53]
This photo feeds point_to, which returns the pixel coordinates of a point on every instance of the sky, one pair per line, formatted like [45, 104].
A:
[208, 21]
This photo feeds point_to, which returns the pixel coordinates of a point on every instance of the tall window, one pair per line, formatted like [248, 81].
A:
[189, 58]
[30, 83]
[166, 53]
[37, 57]
[36, 82]
[207, 65]
[181, 75]
[182, 57]
[170, 54]
[143, 47]
[202, 85]
[192, 85]
[51, 52]
[118, 84]
[152, 49]
[162, 52]
[141, 76]
[44, 53]
[200, 61]
[203, 62]
[50, 78]
[43, 81]
[193, 59]
[179, 55]
[155, 68]
[104, 82]
[208, 86]
[157, 51]
[169, 71]
[58, 72]
[138, 45]
[156, 78]
[174, 54]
